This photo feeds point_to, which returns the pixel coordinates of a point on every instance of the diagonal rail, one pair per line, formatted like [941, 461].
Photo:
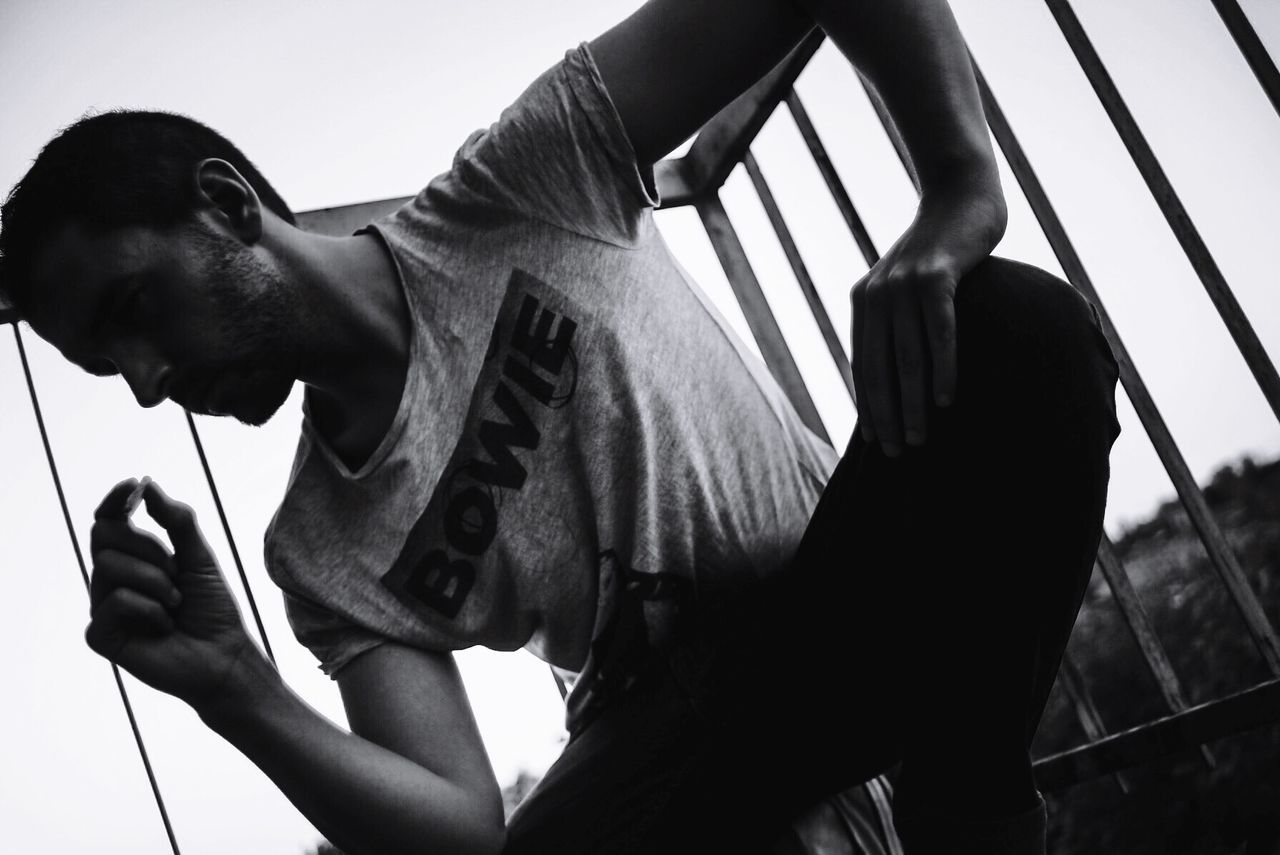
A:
[1072, 683]
[801, 272]
[841, 197]
[1255, 53]
[231, 541]
[755, 307]
[1184, 483]
[723, 141]
[1144, 634]
[1252, 708]
[84, 575]
[1202, 261]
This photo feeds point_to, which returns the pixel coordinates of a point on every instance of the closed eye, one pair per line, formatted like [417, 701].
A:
[125, 312]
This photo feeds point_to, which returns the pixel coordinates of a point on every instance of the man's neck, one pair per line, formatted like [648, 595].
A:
[358, 340]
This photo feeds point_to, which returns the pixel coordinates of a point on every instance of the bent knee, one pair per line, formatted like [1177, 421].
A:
[1024, 331]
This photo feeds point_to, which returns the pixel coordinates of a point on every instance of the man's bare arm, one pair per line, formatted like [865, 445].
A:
[414, 777]
[674, 63]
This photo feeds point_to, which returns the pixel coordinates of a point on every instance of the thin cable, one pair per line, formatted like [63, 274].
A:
[226, 527]
[84, 574]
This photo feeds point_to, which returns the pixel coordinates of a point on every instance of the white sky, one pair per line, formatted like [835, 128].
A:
[340, 102]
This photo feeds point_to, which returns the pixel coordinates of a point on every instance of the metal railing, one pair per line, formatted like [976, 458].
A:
[695, 180]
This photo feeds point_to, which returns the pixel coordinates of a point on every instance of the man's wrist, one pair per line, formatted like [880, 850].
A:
[971, 191]
[252, 683]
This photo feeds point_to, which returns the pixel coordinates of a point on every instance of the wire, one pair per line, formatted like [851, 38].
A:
[226, 527]
[84, 574]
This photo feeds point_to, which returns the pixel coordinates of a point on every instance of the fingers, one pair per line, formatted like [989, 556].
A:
[909, 350]
[113, 506]
[115, 571]
[128, 559]
[858, 299]
[121, 616]
[904, 352]
[883, 420]
[940, 330]
[124, 536]
[178, 519]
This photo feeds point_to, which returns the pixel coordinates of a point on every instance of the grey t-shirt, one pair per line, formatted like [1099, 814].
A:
[577, 417]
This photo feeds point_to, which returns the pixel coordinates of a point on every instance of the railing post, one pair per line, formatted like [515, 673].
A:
[765, 329]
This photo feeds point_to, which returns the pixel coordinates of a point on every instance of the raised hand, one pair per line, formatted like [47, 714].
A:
[904, 324]
[166, 617]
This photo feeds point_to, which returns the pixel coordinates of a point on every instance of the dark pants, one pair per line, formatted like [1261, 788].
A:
[920, 623]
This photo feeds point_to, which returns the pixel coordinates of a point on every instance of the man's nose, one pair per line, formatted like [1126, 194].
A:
[146, 374]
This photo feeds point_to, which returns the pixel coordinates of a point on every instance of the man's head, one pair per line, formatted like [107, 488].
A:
[133, 244]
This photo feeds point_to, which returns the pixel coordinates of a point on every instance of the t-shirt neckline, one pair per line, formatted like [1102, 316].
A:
[407, 392]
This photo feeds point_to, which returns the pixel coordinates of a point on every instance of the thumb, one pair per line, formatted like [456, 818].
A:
[179, 521]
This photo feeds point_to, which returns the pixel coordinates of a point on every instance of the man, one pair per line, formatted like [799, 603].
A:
[523, 428]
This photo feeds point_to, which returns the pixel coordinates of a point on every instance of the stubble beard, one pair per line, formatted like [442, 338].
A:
[258, 320]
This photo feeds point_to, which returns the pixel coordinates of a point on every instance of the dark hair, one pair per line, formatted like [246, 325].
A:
[110, 170]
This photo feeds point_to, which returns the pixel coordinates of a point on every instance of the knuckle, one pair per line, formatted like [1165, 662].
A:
[933, 274]
[878, 293]
[102, 536]
[925, 280]
[897, 276]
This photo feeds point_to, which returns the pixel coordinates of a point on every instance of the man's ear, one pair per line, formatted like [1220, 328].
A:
[220, 187]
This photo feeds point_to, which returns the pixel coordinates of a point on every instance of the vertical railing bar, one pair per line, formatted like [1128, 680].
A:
[1255, 53]
[231, 541]
[1086, 712]
[816, 308]
[84, 575]
[764, 327]
[1184, 483]
[1139, 623]
[819, 153]
[1202, 261]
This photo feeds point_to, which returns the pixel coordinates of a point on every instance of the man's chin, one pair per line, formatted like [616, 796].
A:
[255, 413]
[255, 410]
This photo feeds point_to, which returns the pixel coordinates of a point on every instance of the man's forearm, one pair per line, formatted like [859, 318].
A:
[912, 53]
[362, 797]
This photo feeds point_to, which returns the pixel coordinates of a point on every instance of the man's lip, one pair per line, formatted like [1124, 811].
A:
[192, 396]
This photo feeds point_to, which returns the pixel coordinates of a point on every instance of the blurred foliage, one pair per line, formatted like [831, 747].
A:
[513, 794]
[1178, 804]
